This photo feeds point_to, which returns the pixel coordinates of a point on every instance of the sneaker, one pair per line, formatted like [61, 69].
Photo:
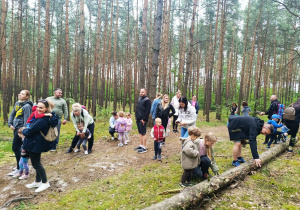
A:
[174, 131]
[69, 150]
[162, 144]
[34, 185]
[14, 172]
[112, 138]
[143, 150]
[125, 142]
[52, 150]
[154, 158]
[241, 160]
[89, 151]
[159, 157]
[77, 150]
[290, 151]
[267, 147]
[120, 145]
[138, 148]
[24, 176]
[86, 152]
[17, 175]
[237, 163]
[186, 184]
[43, 187]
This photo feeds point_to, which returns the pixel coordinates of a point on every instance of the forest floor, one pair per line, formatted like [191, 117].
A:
[118, 177]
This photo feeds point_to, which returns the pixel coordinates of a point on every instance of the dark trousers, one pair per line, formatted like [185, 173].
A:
[37, 165]
[205, 164]
[174, 120]
[16, 146]
[293, 125]
[273, 137]
[186, 176]
[91, 127]
[157, 148]
[164, 122]
[112, 131]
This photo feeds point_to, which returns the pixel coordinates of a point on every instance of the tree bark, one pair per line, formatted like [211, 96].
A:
[144, 44]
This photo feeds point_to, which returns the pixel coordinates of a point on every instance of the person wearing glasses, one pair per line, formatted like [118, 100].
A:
[242, 128]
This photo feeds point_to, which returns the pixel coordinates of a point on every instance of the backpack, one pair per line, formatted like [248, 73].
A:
[289, 113]
[51, 135]
[280, 110]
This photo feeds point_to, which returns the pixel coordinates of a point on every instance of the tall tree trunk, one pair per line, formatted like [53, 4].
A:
[144, 45]
[81, 52]
[115, 60]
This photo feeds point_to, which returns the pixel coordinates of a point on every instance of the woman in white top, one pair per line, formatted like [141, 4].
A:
[175, 104]
[79, 115]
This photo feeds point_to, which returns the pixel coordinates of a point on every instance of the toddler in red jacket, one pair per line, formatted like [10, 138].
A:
[158, 134]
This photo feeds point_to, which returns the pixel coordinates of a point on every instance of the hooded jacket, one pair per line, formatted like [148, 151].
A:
[189, 155]
[19, 115]
[245, 127]
[143, 108]
[188, 116]
[34, 141]
[121, 125]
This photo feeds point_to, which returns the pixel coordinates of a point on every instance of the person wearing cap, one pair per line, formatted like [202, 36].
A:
[274, 122]
[242, 128]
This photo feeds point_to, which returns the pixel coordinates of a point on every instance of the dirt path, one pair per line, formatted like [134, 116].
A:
[106, 160]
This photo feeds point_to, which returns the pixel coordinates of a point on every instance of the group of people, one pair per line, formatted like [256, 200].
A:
[31, 123]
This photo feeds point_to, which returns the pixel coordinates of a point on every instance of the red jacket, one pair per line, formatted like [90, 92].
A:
[158, 132]
[35, 115]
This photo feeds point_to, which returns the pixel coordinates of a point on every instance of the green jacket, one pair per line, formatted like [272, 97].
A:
[60, 108]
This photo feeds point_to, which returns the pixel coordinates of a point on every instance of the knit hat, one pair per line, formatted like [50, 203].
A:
[275, 116]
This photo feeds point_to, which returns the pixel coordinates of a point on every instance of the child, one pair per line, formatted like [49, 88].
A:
[158, 134]
[83, 140]
[121, 128]
[128, 127]
[206, 154]
[274, 122]
[112, 124]
[245, 110]
[23, 164]
[284, 133]
[189, 155]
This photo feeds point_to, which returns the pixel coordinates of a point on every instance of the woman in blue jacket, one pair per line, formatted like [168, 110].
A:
[35, 143]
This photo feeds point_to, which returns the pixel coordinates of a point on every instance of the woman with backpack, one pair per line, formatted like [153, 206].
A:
[80, 115]
[291, 118]
[35, 143]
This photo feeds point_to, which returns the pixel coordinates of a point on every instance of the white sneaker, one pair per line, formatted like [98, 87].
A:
[86, 152]
[34, 185]
[120, 145]
[14, 172]
[52, 150]
[24, 176]
[17, 175]
[43, 187]
[125, 143]
[112, 138]
[77, 150]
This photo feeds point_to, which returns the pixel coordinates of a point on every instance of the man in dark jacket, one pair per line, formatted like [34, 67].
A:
[142, 112]
[243, 128]
[273, 109]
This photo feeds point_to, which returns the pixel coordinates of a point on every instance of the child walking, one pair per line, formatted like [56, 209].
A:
[158, 134]
[121, 128]
[189, 155]
[83, 140]
[23, 164]
[128, 126]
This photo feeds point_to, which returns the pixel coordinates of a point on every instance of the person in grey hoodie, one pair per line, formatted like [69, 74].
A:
[186, 117]
[17, 119]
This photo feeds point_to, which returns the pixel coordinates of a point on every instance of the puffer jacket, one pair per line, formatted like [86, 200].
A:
[189, 155]
[188, 116]
[34, 141]
[121, 125]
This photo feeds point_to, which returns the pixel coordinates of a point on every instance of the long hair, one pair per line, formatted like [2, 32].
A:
[185, 101]
[163, 104]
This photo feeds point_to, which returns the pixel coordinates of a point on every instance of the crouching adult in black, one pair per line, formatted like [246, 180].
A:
[242, 128]
[35, 143]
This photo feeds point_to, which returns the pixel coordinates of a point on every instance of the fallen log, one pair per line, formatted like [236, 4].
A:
[194, 194]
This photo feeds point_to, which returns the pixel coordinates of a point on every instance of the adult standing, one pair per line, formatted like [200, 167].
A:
[195, 104]
[17, 119]
[293, 125]
[60, 109]
[163, 112]
[175, 104]
[112, 124]
[242, 128]
[273, 109]
[233, 109]
[186, 116]
[80, 115]
[142, 112]
[35, 143]
[155, 103]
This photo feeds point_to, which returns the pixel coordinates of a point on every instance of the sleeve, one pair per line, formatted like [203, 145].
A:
[129, 122]
[88, 133]
[148, 108]
[66, 112]
[197, 106]
[214, 166]
[164, 133]
[172, 110]
[74, 122]
[11, 117]
[36, 127]
[152, 133]
[30, 117]
[27, 112]
[37, 116]
[252, 141]
[86, 119]
[179, 119]
[117, 126]
[193, 117]
[190, 151]
[157, 114]
[271, 109]
[152, 108]
[111, 122]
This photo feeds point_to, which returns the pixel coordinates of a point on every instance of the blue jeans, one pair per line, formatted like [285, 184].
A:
[184, 132]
